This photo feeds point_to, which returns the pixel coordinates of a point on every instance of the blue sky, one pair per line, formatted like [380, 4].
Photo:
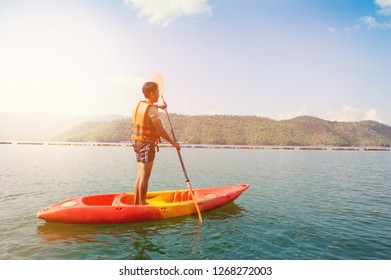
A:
[277, 59]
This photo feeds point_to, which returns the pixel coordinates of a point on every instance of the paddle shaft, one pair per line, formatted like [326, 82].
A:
[183, 168]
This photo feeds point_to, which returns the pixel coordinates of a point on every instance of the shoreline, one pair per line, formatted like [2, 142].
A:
[204, 146]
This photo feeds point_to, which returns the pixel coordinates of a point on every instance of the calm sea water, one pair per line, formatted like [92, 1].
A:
[301, 204]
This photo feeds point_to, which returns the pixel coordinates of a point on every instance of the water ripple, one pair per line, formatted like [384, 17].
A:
[301, 205]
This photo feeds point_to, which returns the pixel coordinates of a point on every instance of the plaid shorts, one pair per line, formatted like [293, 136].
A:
[145, 152]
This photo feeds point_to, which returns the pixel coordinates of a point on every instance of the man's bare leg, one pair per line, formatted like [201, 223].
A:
[141, 185]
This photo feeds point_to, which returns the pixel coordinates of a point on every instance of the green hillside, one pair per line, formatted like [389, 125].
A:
[243, 130]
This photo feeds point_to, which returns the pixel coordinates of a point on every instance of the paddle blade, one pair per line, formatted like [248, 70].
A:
[160, 82]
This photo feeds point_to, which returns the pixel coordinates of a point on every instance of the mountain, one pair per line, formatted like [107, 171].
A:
[243, 130]
[40, 126]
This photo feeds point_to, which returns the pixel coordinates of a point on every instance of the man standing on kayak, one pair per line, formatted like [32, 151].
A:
[147, 129]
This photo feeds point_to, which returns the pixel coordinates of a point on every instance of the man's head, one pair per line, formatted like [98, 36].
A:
[150, 87]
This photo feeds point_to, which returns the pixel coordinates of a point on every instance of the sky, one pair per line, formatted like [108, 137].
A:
[272, 58]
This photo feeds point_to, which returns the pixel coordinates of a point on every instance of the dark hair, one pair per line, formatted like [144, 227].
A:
[149, 87]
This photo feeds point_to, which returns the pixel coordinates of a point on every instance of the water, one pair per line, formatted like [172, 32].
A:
[301, 204]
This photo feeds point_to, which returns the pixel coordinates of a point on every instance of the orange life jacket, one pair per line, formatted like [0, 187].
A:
[143, 129]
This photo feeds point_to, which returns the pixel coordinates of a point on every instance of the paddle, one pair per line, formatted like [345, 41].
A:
[159, 80]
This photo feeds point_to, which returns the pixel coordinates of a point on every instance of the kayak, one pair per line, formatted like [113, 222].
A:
[120, 208]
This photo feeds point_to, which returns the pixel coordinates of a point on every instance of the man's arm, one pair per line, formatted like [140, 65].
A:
[163, 133]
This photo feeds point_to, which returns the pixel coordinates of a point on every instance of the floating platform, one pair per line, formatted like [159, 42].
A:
[312, 149]
[206, 146]
[345, 149]
[377, 149]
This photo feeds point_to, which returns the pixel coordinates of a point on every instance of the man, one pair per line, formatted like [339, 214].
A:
[147, 129]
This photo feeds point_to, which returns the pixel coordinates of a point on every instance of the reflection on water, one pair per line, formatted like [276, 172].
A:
[164, 239]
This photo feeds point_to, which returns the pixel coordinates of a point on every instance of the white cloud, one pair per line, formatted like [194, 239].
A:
[373, 115]
[301, 112]
[353, 29]
[345, 114]
[331, 30]
[351, 114]
[371, 22]
[163, 12]
[385, 6]
[349, 110]
[214, 112]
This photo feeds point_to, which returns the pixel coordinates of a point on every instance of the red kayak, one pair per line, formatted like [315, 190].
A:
[119, 208]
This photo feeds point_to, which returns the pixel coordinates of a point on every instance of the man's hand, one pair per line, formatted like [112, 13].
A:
[176, 145]
[162, 106]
